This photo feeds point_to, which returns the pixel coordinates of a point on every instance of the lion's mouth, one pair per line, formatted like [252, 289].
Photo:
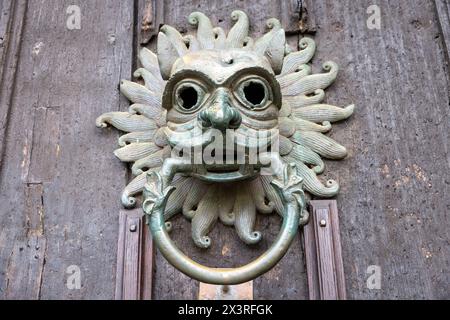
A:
[225, 172]
[232, 158]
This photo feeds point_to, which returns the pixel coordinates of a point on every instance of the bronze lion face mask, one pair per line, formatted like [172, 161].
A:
[238, 94]
[222, 103]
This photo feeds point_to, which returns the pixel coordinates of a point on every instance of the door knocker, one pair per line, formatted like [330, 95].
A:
[225, 126]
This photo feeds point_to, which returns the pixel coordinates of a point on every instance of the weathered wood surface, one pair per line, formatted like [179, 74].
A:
[135, 256]
[323, 253]
[59, 180]
[129, 257]
[394, 203]
[12, 15]
[60, 183]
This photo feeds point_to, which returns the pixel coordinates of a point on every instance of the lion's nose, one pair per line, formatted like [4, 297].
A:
[220, 114]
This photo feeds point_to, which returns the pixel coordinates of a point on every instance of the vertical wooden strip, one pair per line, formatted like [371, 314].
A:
[134, 258]
[129, 256]
[148, 262]
[337, 250]
[325, 256]
[323, 252]
[311, 260]
[120, 255]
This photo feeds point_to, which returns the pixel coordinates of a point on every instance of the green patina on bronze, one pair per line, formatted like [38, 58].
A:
[204, 80]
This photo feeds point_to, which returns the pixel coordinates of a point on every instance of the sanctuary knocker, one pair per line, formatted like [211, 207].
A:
[224, 127]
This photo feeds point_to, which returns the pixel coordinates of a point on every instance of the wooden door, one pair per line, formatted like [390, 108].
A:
[60, 183]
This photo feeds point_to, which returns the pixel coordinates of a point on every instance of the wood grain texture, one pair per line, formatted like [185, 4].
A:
[323, 252]
[60, 183]
[135, 255]
[59, 206]
[132, 258]
[148, 265]
[150, 19]
[394, 199]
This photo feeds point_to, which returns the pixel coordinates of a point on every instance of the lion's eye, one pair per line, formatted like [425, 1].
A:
[189, 96]
[254, 93]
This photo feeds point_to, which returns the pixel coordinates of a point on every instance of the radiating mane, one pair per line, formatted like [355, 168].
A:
[304, 120]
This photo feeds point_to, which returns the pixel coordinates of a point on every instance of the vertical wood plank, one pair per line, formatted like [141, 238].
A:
[311, 261]
[55, 83]
[325, 258]
[120, 256]
[129, 255]
[323, 252]
[337, 250]
[148, 264]
[134, 258]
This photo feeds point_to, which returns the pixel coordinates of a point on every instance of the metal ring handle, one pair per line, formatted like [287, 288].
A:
[155, 200]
